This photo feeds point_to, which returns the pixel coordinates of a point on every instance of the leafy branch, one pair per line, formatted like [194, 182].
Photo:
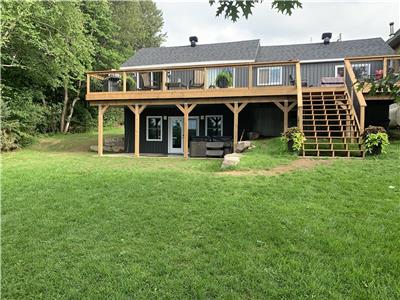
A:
[232, 9]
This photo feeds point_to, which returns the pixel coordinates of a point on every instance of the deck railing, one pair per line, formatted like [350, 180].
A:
[193, 78]
[357, 99]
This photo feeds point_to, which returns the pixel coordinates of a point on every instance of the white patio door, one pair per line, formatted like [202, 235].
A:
[175, 135]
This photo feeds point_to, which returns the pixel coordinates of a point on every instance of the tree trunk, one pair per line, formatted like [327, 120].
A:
[64, 109]
[71, 109]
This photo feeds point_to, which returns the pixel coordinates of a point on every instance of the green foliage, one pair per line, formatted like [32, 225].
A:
[140, 24]
[224, 78]
[388, 85]
[296, 135]
[375, 137]
[46, 48]
[22, 118]
[232, 9]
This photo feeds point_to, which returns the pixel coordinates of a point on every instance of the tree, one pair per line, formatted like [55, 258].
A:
[140, 24]
[232, 9]
[46, 48]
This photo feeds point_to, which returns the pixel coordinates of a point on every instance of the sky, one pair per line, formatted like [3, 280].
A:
[352, 19]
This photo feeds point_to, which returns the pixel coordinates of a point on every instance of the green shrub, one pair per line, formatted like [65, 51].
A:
[375, 139]
[21, 118]
[224, 79]
[296, 135]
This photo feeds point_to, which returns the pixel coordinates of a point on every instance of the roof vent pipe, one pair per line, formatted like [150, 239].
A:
[391, 28]
[326, 36]
[193, 40]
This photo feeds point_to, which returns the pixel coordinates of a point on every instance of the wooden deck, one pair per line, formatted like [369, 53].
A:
[285, 97]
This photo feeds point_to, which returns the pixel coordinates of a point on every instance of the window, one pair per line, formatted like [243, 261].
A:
[193, 127]
[362, 70]
[214, 125]
[269, 76]
[339, 71]
[154, 129]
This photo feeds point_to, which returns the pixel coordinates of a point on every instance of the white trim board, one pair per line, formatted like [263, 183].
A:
[200, 63]
[147, 129]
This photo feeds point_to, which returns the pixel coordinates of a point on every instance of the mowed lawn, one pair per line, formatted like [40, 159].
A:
[77, 226]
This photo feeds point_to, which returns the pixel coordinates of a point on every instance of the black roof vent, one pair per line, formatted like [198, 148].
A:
[193, 40]
[326, 36]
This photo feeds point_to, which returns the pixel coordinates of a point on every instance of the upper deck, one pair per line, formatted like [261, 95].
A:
[203, 82]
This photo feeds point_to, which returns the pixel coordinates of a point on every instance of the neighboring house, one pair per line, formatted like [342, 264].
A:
[394, 40]
[174, 95]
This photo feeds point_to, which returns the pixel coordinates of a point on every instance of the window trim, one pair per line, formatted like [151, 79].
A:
[269, 75]
[336, 70]
[222, 123]
[147, 129]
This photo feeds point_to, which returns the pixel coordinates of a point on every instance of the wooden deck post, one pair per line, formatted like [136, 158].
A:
[205, 79]
[164, 80]
[285, 116]
[186, 132]
[124, 82]
[102, 110]
[137, 110]
[285, 108]
[236, 109]
[299, 97]
[87, 83]
[250, 83]
[186, 109]
[385, 66]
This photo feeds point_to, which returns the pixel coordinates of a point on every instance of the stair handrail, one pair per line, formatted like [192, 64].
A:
[352, 90]
[299, 89]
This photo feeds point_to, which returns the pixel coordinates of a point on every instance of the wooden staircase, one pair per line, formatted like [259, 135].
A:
[330, 125]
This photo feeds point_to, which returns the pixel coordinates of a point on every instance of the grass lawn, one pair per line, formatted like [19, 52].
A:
[78, 226]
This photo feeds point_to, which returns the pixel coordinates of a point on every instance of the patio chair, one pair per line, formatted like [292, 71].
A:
[293, 81]
[193, 85]
[147, 83]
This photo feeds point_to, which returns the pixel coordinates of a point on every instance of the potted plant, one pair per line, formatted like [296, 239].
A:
[294, 138]
[375, 140]
[224, 79]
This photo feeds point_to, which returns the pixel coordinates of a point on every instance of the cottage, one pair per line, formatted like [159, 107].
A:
[177, 96]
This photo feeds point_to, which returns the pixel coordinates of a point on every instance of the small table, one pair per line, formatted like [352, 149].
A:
[331, 81]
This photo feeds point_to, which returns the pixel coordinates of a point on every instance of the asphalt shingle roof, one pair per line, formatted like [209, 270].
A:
[243, 50]
[252, 51]
[365, 47]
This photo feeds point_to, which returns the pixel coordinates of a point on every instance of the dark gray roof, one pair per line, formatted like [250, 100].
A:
[251, 50]
[365, 47]
[394, 41]
[243, 50]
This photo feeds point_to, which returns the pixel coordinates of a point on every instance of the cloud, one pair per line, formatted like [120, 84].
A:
[353, 19]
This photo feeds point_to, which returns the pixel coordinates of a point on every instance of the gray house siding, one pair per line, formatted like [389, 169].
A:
[313, 72]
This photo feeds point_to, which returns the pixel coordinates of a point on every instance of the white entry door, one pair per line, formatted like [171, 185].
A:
[175, 135]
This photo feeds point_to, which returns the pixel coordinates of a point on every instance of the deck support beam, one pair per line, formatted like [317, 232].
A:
[236, 109]
[286, 108]
[102, 110]
[186, 110]
[137, 110]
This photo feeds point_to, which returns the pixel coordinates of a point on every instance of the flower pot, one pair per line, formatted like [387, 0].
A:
[376, 150]
[290, 144]
[223, 82]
